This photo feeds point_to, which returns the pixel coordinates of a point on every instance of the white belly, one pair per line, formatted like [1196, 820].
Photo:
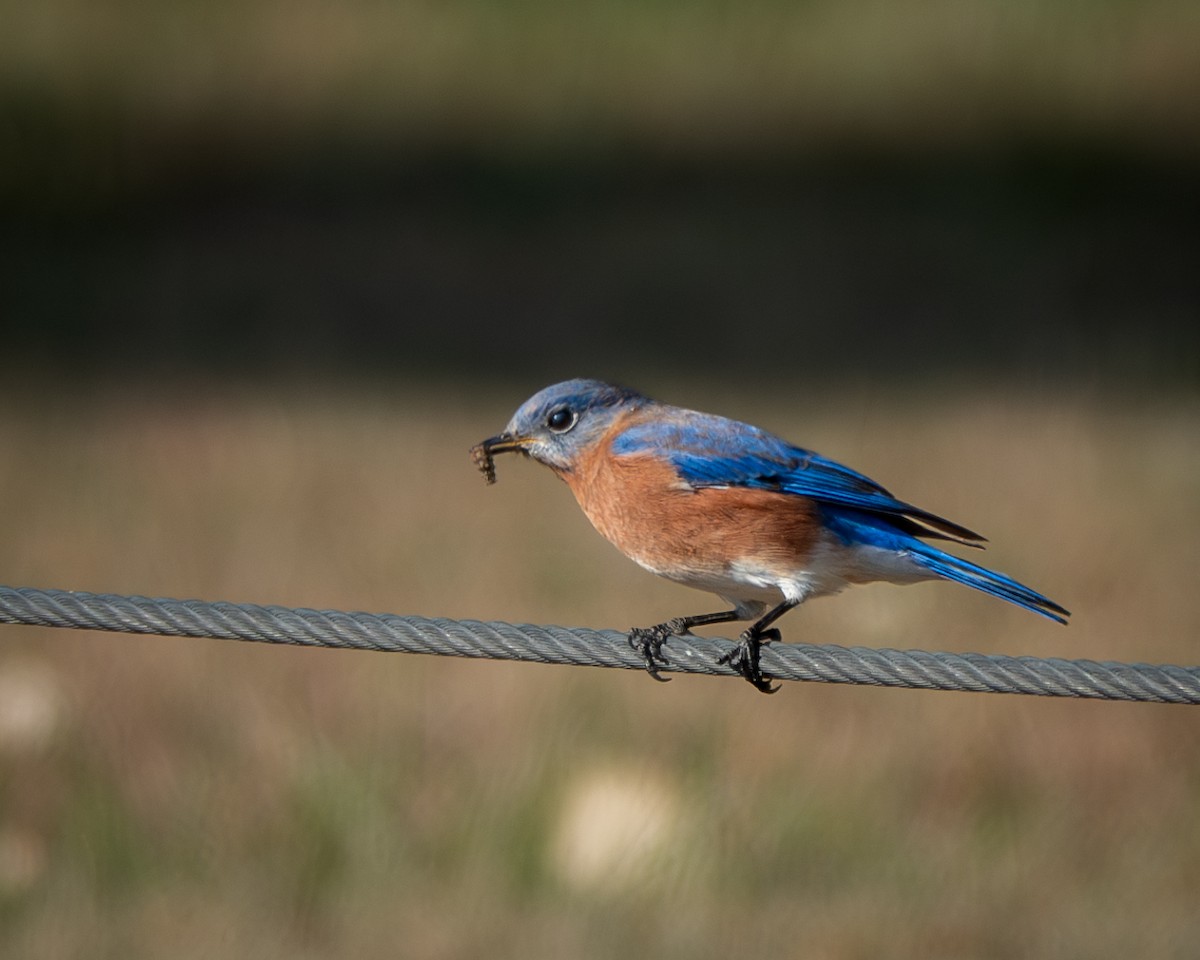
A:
[752, 585]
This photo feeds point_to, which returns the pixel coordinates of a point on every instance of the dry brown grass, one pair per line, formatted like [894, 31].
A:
[201, 798]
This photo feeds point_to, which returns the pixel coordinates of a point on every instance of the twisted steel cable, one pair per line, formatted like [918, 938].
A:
[497, 640]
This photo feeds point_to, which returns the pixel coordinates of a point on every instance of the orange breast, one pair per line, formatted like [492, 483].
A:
[640, 504]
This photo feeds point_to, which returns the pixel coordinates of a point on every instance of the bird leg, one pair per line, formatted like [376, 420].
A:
[649, 640]
[744, 657]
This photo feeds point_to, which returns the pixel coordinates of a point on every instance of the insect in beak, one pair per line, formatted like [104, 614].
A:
[482, 453]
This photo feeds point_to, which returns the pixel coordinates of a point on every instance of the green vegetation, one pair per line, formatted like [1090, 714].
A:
[210, 799]
[111, 94]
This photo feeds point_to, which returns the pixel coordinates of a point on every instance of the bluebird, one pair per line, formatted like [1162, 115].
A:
[734, 510]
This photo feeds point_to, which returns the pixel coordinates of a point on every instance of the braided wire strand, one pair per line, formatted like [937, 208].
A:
[498, 640]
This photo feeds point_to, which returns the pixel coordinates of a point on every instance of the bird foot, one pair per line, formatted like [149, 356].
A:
[744, 658]
[648, 641]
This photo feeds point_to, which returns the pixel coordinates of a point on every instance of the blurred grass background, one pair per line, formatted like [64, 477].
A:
[207, 798]
[268, 270]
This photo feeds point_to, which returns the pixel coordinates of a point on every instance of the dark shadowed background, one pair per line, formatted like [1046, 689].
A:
[525, 190]
[267, 270]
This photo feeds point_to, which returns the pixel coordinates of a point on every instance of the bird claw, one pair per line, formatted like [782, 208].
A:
[744, 659]
[648, 641]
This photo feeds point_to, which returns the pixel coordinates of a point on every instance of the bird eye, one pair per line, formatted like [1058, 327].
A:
[561, 419]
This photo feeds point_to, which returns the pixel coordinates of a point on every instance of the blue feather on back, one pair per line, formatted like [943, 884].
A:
[711, 451]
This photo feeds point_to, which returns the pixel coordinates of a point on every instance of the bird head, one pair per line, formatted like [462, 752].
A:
[557, 424]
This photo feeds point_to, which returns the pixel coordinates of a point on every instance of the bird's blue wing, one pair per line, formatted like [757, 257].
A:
[711, 451]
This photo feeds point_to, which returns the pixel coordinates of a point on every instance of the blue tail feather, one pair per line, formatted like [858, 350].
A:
[854, 526]
[970, 574]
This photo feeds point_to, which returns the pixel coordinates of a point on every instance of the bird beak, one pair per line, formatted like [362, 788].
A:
[482, 453]
[504, 443]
